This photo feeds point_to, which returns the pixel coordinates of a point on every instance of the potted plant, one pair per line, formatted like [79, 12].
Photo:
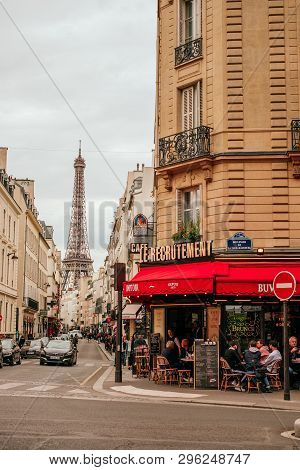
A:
[187, 233]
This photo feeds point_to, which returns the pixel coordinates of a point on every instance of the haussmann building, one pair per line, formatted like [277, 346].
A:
[227, 170]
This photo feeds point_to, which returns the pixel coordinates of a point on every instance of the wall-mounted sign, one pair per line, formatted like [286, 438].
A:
[239, 242]
[136, 247]
[140, 226]
[179, 251]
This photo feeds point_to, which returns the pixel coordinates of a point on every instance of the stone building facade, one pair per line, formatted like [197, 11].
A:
[227, 96]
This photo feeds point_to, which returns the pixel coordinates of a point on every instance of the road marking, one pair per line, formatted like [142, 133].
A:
[154, 393]
[10, 385]
[78, 390]
[89, 364]
[90, 376]
[43, 388]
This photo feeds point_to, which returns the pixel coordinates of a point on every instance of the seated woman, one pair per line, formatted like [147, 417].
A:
[171, 354]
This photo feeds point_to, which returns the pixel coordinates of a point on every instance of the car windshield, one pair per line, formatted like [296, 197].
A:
[58, 344]
[35, 342]
[7, 343]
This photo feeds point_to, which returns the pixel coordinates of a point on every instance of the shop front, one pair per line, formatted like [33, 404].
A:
[217, 299]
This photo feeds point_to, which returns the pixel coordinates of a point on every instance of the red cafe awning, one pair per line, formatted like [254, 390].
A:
[173, 279]
[254, 279]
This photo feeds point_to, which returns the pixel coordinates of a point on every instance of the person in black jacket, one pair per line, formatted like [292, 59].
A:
[233, 357]
[253, 366]
[252, 357]
[171, 354]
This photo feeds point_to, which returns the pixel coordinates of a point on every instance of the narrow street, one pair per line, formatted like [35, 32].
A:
[56, 408]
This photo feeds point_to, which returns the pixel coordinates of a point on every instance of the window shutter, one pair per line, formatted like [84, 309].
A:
[181, 15]
[179, 209]
[197, 19]
[198, 105]
[188, 108]
[198, 208]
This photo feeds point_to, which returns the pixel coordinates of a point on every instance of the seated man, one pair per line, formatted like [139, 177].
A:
[294, 353]
[233, 357]
[184, 350]
[171, 354]
[273, 357]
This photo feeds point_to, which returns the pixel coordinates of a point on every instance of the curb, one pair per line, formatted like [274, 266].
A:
[106, 354]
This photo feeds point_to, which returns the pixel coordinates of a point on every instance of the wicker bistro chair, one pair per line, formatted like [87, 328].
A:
[142, 361]
[164, 372]
[274, 376]
[228, 376]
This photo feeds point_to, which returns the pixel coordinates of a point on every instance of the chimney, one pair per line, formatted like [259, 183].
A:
[3, 158]
[143, 166]
[137, 167]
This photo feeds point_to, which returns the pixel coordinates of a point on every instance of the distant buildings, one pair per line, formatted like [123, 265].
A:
[30, 262]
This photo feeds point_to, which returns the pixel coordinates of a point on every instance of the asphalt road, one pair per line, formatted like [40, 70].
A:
[72, 416]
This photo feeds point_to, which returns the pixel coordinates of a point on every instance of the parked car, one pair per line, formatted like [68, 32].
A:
[59, 352]
[11, 351]
[1, 355]
[32, 348]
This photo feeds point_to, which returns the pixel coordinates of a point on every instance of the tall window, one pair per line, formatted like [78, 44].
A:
[9, 223]
[2, 264]
[189, 20]
[188, 206]
[191, 106]
[4, 220]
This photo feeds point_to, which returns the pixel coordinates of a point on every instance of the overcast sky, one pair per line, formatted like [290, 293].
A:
[100, 56]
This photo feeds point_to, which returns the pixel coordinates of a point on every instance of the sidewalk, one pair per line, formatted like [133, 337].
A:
[144, 389]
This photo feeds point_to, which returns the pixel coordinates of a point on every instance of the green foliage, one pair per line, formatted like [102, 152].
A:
[189, 232]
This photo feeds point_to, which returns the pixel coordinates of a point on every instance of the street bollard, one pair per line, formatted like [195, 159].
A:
[297, 428]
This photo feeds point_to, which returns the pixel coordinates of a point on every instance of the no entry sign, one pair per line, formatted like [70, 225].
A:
[0, 317]
[284, 285]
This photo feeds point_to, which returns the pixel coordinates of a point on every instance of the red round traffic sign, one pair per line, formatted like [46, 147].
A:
[0, 317]
[284, 285]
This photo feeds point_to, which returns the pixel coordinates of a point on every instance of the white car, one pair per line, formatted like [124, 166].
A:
[75, 332]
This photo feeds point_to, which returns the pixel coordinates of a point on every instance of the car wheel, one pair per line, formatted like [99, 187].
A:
[11, 361]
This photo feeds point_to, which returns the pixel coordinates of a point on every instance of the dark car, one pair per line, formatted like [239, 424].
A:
[32, 348]
[59, 352]
[1, 355]
[11, 351]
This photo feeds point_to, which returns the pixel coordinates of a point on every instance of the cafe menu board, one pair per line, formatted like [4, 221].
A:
[206, 364]
[155, 343]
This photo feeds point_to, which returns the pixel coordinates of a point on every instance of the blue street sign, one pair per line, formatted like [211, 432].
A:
[239, 242]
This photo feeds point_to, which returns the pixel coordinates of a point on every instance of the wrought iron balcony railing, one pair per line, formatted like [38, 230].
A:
[295, 127]
[184, 146]
[190, 50]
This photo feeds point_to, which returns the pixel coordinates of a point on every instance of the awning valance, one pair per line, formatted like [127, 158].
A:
[223, 278]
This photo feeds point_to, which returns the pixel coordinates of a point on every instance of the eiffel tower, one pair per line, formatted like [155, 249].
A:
[77, 261]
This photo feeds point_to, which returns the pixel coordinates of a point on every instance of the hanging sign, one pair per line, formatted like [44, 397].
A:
[140, 226]
[239, 242]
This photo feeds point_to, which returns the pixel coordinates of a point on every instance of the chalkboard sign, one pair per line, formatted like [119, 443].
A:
[206, 364]
[155, 343]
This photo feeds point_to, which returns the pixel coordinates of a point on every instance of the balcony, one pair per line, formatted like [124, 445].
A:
[31, 304]
[189, 51]
[184, 146]
[295, 128]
